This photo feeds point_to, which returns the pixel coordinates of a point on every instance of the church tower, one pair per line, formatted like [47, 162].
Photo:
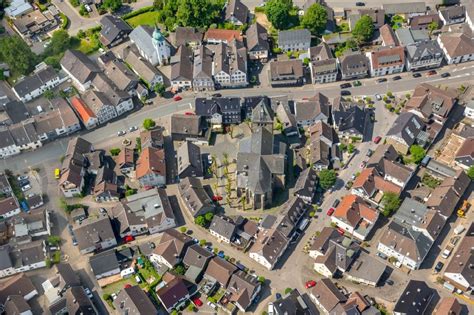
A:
[162, 48]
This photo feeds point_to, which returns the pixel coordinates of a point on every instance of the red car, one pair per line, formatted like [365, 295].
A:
[330, 211]
[197, 302]
[341, 231]
[216, 198]
[430, 73]
[177, 98]
[310, 284]
[189, 113]
[128, 238]
[377, 139]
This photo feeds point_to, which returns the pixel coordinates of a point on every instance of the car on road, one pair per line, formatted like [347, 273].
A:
[103, 210]
[88, 8]
[74, 241]
[278, 296]
[381, 255]
[22, 177]
[438, 267]
[345, 85]
[113, 295]
[189, 113]
[26, 188]
[348, 185]
[57, 173]
[217, 95]
[363, 164]
[430, 73]
[445, 74]
[416, 75]
[340, 231]
[345, 93]
[128, 239]
[221, 254]
[378, 97]
[177, 98]
[121, 133]
[377, 139]
[330, 211]
[133, 128]
[310, 284]
[216, 198]
[381, 80]
[88, 293]
[209, 159]
[360, 4]
[357, 83]
[396, 78]
[197, 302]
[353, 177]
[336, 203]
[370, 152]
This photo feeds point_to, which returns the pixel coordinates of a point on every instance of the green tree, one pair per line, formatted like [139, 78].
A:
[183, 229]
[209, 216]
[278, 12]
[202, 242]
[470, 172]
[54, 240]
[115, 151]
[197, 13]
[49, 94]
[288, 290]
[82, 10]
[327, 178]
[433, 26]
[59, 43]
[390, 202]
[315, 19]
[200, 220]
[350, 148]
[179, 270]
[15, 52]
[149, 124]
[112, 5]
[417, 153]
[261, 279]
[159, 89]
[363, 29]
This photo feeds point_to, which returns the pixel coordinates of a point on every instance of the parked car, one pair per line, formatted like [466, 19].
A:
[382, 255]
[445, 75]
[438, 267]
[278, 296]
[197, 302]
[416, 75]
[217, 95]
[26, 188]
[340, 231]
[363, 164]
[103, 210]
[221, 254]
[89, 293]
[360, 4]
[345, 85]
[128, 238]
[389, 282]
[377, 139]
[369, 152]
[330, 211]
[216, 198]
[378, 97]
[430, 73]
[177, 98]
[23, 182]
[310, 284]
[336, 203]
[396, 78]
[133, 128]
[22, 177]
[113, 295]
[189, 113]
[121, 133]
[381, 80]
[345, 93]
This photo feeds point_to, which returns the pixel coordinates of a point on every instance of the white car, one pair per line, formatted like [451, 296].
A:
[88, 8]
[114, 296]
[133, 128]
[26, 188]
[121, 133]
[378, 97]
[23, 177]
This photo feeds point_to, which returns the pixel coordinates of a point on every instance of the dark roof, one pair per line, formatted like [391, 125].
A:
[415, 298]
[208, 106]
[182, 65]
[104, 262]
[68, 275]
[16, 111]
[133, 301]
[16, 305]
[257, 38]
[18, 284]
[78, 303]
[292, 303]
[197, 256]
[306, 183]
[328, 295]
[77, 63]
[92, 231]
[242, 287]
[220, 270]
[237, 10]
[293, 37]
[223, 226]
[190, 125]
[172, 292]
[348, 115]
[407, 126]
[112, 26]
[35, 81]
[186, 35]
[352, 63]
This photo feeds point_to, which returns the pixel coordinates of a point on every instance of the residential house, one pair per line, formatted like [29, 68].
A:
[77, 302]
[230, 64]
[353, 65]
[219, 111]
[5, 187]
[457, 47]
[223, 228]
[195, 197]
[19, 285]
[458, 272]
[105, 186]
[386, 61]
[79, 68]
[326, 295]
[287, 119]
[9, 207]
[114, 30]
[85, 114]
[366, 270]
[105, 264]
[95, 234]
[408, 36]
[324, 241]
[322, 150]
[126, 161]
[196, 260]
[371, 186]
[43, 79]
[422, 22]
[171, 249]
[294, 40]
[387, 36]
[448, 305]
[465, 154]
[291, 303]
[189, 160]
[260, 168]
[120, 75]
[16, 304]
[133, 300]
[406, 131]
[74, 167]
[286, 73]
[236, 12]
[173, 294]
[182, 68]
[269, 247]
[349, 118]
[306, 184]
[468, 101]
[339, 254]
[470, 16]
[415, 298]
[258, 47]
[377, 16]
[217, 36]
[22, 257]
[423, 55]
[187, 36]
[452, 14]
[25, 136]
[8, 146]
[36, 23]
[57, 122]
[220, 270]
[323, 65]
[203, 69]
[151, 168]
[142, 67]
[355, 217]
[242, 290]
[111, 96]
[151, 44]
[152, 138]
[414, 8]
[17, 8]
[447, 195]
[316, 108]
[33, 224]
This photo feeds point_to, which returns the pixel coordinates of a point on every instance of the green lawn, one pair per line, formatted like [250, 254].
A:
[89, 45]
[147, 18]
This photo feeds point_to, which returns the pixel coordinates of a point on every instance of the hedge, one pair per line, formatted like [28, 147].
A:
[137, 12]
[64, 20]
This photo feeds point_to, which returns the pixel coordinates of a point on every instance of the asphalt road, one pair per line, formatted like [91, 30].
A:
[343, 3]
[461, 74]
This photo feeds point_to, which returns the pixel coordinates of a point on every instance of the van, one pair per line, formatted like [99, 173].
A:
[57, 173]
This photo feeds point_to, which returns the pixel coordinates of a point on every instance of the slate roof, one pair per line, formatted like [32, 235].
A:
[140, 65]
[407, 126]
[142, 37]
[112, 26]
[223, 226]
[293, 37]
[257, 38]
[242, 287]
[452, 13]
[78, 303]
[16, 111]
[77, 63]
[172, 246]
[312, 108]
[196, 196]
[121, 75]
[172, 292]
[353, 63]
[197, 256]
[189, 158]
[292, 303]
[92, 231]
[35, 81]
[349, 115]
[220, 270]
[190, 125]
[463, 259]
[323, 241]
[388, 36]
[16, 305]
[270, 244]
[182, 69]
[286, 68]
[415, 298]
[404, 8]
[237, 10]
[368, 268]
[306, 183]
[134, 301]
[19, 284]
[423, 50]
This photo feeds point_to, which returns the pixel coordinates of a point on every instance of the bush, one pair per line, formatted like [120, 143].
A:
[137, 12]
[115, 151]
[417, 153]
[288, 290]
[212, 299]
[57, 257]
[183, 229]
[54, 240]
[83, 11]
[64, 20]
[312, 214]
[261, 279]
[202, 242]
[75, 3]
[149, 124]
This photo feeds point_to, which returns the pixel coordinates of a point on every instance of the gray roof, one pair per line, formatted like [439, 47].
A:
[134, 301]
[35, 81]
[5, 260]
[90, 232]
[182, 68]
[78, 64]
[141, 66]
[292, 303]
[121, 75]
[353, 63]
[112, 26]
[306, 183]
[223, 226]
[106, 86]
[196, 196]
[16, 111]
[453, 12]
[16, 305]
[407, 36]
[237, 10]
[293, 37]
[368, 268]
[27, 254]
[415, 298]
[186, 35]
[24, 133]
[312, 108]
[424, 50]
[203, 63]
[142, 37]
[407, 126]
[197, 256]
[257, 38]
[189, 159]
[104, 262]
[6, 139]
[404, 8]
[78, 302]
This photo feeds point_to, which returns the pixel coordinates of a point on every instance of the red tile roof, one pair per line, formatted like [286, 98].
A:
[84, 112]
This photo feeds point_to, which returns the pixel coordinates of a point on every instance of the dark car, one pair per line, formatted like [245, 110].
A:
[369, 152]
[389, 282]
[438, 266]
[381, 80]
[430, 73]
[336, 203]
[396, 78]
[345, 92]
[278, 296]
[416, 75]
[445, 75]
[23, 182]
[360, 4]
[217, 95]
[345, 85]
